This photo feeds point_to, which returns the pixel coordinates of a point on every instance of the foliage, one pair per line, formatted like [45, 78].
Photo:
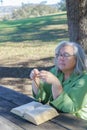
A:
[29, 10]
[62, 5]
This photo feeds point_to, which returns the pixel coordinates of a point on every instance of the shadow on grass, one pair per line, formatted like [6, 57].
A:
[18, 72]
[24, 71]
[35, 29]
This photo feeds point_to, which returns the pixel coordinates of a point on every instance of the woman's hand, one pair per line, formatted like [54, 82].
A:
[47, 76]
[52, 79]
[34, 74]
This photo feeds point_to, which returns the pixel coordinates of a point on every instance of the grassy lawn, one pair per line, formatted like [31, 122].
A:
[26, 44]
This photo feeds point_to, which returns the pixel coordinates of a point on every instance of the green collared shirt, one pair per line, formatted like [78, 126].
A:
[73, 99]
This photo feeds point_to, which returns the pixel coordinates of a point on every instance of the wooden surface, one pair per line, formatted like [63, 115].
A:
[8, 121]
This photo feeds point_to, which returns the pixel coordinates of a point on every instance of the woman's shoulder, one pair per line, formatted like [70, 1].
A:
[83, 75]
[53, 70]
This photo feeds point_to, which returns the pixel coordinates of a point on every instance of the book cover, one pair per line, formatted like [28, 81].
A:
[35, 112]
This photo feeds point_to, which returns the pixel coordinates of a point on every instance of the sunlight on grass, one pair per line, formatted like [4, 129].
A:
[14, 54]
[56, 27]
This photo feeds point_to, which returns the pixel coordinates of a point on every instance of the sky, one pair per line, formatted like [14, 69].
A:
[18, 2]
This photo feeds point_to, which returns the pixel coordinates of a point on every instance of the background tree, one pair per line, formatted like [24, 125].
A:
[31, 10]
[77, 21]
[62, 5]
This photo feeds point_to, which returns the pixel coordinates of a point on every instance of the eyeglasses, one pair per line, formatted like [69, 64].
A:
[64, 55]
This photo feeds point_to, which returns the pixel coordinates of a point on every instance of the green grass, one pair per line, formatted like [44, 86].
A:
[43, 29]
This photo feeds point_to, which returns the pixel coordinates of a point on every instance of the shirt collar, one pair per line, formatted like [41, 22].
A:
[72, 77]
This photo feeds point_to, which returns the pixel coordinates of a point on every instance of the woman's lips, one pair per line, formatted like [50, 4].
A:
[62, 63]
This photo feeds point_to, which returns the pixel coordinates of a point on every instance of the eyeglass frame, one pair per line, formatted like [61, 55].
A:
[64, 55]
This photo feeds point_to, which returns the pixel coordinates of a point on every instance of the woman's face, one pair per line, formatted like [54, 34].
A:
[66, 59]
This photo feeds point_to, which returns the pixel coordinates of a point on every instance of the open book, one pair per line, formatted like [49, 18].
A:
[35, 112]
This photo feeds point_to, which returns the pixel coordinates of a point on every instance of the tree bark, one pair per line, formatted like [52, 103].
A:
[77, 21]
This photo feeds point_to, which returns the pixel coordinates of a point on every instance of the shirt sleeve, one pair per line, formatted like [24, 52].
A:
[73, 97]
[44, 93]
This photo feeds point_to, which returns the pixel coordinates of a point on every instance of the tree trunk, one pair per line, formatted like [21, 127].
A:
[77, 21]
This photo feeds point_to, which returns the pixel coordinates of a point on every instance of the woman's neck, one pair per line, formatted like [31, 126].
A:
[67, 75]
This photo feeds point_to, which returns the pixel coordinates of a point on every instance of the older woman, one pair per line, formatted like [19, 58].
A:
[65, 86]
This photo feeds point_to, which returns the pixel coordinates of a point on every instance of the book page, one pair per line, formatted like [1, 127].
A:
[26, 107]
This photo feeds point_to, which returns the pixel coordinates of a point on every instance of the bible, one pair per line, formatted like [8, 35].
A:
[35, 112]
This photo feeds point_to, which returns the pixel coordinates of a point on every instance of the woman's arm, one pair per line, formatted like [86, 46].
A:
[35, 80]
[73, 96]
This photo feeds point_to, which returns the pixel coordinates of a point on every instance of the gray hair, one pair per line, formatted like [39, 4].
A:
[79, 54]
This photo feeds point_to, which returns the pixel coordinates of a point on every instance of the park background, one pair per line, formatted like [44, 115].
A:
[28, 37]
